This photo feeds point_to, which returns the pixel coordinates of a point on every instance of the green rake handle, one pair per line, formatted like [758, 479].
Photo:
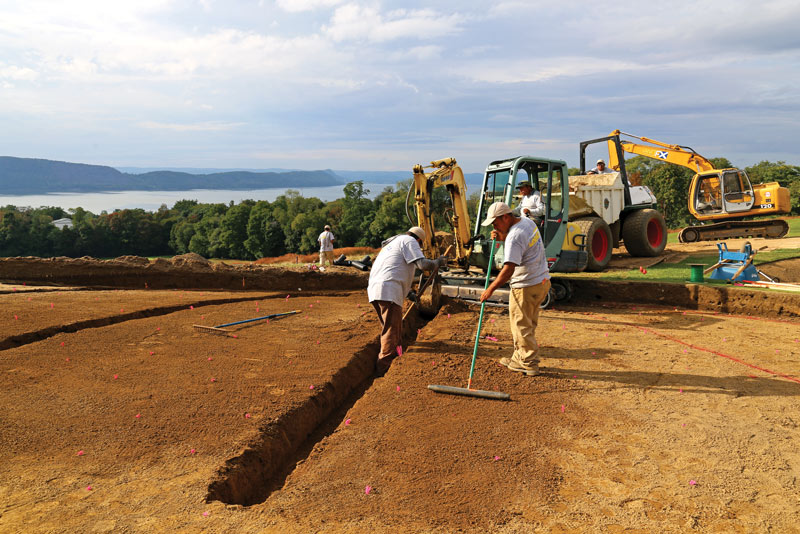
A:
[480, 319]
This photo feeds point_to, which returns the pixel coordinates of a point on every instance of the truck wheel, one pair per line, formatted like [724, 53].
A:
[599, 242]
[644, 233]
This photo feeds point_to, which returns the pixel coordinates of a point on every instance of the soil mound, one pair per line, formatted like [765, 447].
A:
[188, 271]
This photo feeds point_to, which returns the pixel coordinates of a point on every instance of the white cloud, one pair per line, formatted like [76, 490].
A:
[295, 6]
[353, 22]
[12, 72]
[211, 126]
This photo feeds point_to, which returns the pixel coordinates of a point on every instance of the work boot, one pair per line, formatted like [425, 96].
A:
[514, 366]
[382, 365]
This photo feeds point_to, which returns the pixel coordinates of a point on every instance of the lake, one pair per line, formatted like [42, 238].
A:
[152, 200]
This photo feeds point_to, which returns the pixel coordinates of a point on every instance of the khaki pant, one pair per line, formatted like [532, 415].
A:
[325, 255]
[523, 314]
[391, 317]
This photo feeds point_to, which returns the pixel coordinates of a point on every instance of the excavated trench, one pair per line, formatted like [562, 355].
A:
[269, 458]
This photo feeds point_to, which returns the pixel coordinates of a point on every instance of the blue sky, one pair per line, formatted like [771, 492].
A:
[383, 85]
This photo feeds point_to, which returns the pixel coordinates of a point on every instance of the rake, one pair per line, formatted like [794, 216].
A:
[468, 391]
[221, 328]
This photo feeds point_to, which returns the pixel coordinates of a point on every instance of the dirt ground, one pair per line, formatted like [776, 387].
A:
[119, 416]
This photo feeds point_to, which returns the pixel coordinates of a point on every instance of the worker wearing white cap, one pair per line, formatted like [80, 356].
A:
[601, 168]
[326, 240]
[525, 269]
[390, 281]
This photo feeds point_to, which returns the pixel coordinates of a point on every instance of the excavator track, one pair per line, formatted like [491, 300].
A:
[770, 228]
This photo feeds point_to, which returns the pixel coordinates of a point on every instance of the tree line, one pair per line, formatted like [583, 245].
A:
[291, 223]
[248, 230]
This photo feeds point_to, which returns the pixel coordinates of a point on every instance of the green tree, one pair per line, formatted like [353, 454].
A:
[357, 213]
[233, 231]
[670, 185]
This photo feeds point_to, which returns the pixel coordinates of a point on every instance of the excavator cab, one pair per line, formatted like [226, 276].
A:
[564, 242]
[724, 191]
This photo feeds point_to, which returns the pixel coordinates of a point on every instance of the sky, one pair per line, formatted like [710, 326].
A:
[384, 85]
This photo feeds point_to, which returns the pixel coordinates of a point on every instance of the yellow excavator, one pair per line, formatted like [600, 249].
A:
[723, 197]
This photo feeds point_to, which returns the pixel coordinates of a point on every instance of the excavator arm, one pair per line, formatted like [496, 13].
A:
[446, 173]
[677, 154]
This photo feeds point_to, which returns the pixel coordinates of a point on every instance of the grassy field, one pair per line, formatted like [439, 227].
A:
[680, 272]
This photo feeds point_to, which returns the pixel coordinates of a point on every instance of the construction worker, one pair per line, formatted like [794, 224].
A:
[389, 282]
[525, 268]
[601, 168]
[326, 240]
[531, 204]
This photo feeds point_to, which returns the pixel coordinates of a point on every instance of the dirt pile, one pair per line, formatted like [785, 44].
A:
[188, 271]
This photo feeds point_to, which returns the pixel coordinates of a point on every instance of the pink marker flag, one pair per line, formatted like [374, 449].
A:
[399, 350]
[368, 489]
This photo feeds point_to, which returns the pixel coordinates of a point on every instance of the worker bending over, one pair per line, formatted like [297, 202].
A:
[525, 268]
[390, 281]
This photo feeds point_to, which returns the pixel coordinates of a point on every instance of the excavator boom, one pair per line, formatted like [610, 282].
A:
[677, 154]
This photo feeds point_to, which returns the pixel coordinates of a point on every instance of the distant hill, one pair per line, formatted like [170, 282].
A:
[25, 176]
[387, 177]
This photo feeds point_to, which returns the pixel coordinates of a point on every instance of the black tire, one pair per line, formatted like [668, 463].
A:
[562, 289]
[688, 235]
[644, 233]
[549, 299]
[599, 242]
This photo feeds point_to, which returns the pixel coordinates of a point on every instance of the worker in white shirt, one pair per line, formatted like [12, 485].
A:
[601, 168]
[531, 205]
[326, 240]
[389, 282]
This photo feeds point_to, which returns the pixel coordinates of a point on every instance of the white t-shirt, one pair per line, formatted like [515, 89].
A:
[533, 203]
[325, 241]
[393, 271]
[605, 170]
[524, 247]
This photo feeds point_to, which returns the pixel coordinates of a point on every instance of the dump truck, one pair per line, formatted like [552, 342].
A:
[611, 211]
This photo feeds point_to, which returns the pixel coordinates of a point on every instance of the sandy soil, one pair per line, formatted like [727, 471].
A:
[648, 419]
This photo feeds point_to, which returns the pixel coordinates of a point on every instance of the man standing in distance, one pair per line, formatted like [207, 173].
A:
[389, 282]
[326, 240]
[525, 268]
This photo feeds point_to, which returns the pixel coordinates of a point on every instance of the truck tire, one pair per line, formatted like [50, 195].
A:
[644, 233]
[599, 242]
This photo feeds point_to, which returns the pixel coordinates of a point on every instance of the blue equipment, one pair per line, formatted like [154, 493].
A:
[734, 266]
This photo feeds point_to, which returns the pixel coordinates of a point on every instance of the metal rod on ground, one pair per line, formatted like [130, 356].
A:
[468, 391]
[220, 328]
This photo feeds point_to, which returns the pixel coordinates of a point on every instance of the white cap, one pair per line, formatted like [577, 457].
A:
[495, 210]
[417, 231]
[599, 161]
[327, 227]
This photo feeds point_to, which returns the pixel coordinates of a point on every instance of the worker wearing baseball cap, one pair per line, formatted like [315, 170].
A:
[326, 240]
[531, 204]
[390, 281]
[601, 168]
[525, 269]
